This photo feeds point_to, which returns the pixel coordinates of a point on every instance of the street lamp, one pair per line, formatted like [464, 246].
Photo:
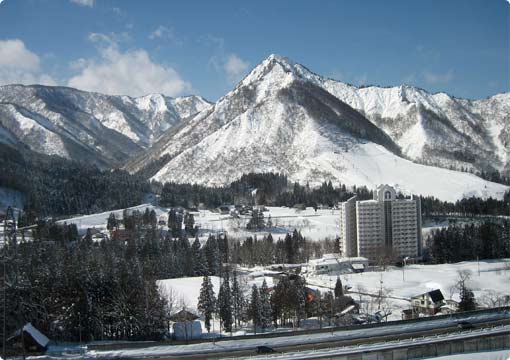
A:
[403, 268]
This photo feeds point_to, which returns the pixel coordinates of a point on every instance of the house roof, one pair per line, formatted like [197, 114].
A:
[38, 336]
[435, 295]
[183, 315]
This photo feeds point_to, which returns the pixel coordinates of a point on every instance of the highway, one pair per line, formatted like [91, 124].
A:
[232, 348]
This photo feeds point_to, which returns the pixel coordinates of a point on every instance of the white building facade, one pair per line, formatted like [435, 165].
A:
[382, 226]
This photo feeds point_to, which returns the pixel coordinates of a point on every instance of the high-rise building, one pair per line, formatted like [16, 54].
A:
[384, 226]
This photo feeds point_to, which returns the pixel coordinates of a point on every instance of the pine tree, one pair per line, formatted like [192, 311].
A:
[225, 304]
[255, 308]
[112, 223]
[339, 289]
[467, 300]
[238, 300]
[189, 224]
[266, 312]
[199, 260]
[207, 301]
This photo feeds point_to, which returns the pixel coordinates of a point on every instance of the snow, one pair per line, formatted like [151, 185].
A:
[36, 334]
[186, 290]
[251, 344]
[255, 129]
[99, 220]
[417, 279]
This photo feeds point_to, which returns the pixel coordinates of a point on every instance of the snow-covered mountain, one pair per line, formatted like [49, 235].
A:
[435, 129]
[88, 126]
[283, 118]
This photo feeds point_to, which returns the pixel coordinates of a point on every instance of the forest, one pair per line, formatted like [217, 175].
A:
[72, 287]
[54, 186]
[485, 240]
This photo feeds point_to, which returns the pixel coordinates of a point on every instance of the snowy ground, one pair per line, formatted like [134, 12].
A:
[313, 225]
[320, 225]
[296, 340]
[494, 276]
[399, 285]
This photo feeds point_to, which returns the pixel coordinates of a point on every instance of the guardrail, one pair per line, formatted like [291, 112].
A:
[141, 344]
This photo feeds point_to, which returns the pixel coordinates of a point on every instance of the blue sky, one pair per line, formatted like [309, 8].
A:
[205, 47]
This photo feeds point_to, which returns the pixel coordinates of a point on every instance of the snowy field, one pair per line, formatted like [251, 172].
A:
[313, 225]
[401, 284]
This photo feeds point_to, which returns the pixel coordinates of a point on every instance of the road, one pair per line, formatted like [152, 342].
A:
[312, 341]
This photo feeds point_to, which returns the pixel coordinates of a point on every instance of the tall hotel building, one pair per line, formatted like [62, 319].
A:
[385, 224]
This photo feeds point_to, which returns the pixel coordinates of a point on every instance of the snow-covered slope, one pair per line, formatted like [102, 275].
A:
[88, 126]
[435, 129]
[279, 120]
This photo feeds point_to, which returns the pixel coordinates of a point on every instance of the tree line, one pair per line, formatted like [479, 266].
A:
[287, 303]
[257, 188]
[54, 186]
[484, 240]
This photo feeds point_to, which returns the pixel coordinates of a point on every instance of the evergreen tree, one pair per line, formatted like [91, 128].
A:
[199, 260]
[339, 289]
[112, 223]
[467, 300]
[207, 301]
[238, 301]
[266, 312]
[225, 304]
[255, 310]
[189, 224]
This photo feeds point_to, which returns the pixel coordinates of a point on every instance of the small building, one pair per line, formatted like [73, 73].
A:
[31, 339]
[409, 314]
[331, 263]
[188, 330]
[428, 303]
[186, 326]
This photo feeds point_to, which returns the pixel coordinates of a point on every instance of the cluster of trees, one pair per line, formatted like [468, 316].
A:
[486, 240]
[271, 189]
[292, 249]
[54, 186]
[287, 303]
[473, 206]
[79, 289]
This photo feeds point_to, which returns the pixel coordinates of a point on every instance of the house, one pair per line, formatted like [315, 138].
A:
[32, 340]
[428, 303]
[186, 327]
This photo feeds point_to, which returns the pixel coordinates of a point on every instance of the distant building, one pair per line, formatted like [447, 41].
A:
[382, 226]
[332, 263]
[32, 340]
[186, 326]
[428, 303]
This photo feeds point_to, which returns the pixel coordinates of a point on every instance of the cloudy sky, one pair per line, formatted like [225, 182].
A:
[205, 47]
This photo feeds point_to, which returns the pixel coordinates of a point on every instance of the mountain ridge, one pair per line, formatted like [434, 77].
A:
[278, 120]
[87, 119]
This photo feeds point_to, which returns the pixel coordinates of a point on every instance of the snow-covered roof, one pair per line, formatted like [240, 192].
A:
[38, 336]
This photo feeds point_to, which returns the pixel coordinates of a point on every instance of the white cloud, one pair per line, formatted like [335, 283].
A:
[438, 78]
[235, 67]
[14, 54]
[164, 33]
[125, 72]
[89, 3]
[20, 65]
